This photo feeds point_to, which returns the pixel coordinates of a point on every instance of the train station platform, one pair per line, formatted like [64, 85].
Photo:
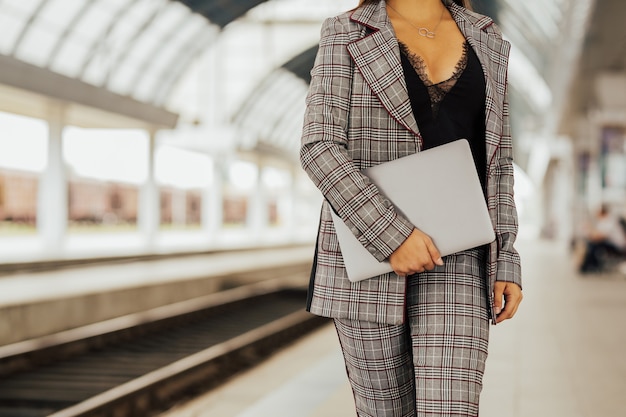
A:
[561, 356]
[40, 303]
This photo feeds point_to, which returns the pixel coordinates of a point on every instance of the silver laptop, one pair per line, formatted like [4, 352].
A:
[438, 190]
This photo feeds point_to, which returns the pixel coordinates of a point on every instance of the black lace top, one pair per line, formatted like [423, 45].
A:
[451, 109]
[436, 91]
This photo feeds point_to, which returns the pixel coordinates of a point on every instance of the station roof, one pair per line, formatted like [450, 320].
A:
[221, 12]
[133, 48]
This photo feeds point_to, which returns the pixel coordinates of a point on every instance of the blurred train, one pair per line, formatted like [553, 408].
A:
[95, 202]
[18, 196]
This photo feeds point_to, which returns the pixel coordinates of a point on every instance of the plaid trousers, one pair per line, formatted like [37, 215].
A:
[433, 364]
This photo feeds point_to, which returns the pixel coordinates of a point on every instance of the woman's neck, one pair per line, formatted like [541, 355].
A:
[427, 9]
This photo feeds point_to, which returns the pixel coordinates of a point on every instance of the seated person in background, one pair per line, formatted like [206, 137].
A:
[607, 236]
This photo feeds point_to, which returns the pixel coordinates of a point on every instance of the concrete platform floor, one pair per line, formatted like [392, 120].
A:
[36, 304]
[563, 355]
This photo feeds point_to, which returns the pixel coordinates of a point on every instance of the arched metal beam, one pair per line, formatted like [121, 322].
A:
[99, 42]
[27, 26]
[181, 62]
[118, 64]
[67, 30]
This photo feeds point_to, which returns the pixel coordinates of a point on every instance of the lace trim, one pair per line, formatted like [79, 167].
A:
[437, 91]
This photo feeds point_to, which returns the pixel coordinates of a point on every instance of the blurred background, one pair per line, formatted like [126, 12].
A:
[149, 175]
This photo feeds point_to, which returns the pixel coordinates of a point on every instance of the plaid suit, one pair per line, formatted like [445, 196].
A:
[412, 346]
[358, 114]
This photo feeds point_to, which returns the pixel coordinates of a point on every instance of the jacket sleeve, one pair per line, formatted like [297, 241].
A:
[508, 263]
[324, 152]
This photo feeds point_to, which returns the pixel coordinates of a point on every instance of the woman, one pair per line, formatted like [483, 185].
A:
[392, 78]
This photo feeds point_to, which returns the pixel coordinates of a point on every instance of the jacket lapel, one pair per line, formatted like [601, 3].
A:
[492, 53]
[377, 57]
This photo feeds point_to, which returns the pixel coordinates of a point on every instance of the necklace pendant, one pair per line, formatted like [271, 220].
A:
[426, 33]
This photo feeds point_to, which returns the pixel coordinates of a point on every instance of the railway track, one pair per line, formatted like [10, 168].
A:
[140, 364]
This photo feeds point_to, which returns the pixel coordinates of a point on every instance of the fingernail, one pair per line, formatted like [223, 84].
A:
[498, 310]
[439, 261]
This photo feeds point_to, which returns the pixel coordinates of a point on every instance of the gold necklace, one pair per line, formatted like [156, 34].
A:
[422, 31]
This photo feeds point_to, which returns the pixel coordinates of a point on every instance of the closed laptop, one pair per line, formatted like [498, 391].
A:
[438, 190]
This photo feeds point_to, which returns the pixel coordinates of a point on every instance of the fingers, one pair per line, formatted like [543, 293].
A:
[428, 255]
[435, 256]
[406, 271]
[512, 294]
[417, 254]
[498, 293]
[511, 303]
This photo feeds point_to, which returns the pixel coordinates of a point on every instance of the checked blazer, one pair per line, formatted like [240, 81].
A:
[358, 114]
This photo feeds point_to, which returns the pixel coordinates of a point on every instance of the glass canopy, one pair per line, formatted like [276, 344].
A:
[137, 48]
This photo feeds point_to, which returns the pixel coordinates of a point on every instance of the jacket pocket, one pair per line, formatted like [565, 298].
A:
[328, 236]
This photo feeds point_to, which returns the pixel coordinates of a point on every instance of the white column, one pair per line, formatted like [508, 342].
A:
[179, 207]
[257, 207]
[52, 204]
[149, 203]
[292, 198]
[212, 201]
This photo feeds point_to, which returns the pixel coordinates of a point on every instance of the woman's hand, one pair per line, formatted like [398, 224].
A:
[417, 254]
[512, 294]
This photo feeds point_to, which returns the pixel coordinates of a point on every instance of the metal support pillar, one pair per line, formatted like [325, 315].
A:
[52, 204]
[212, 201]
[292, 200]
[179, 207]
[149, 204]
[257, 207]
